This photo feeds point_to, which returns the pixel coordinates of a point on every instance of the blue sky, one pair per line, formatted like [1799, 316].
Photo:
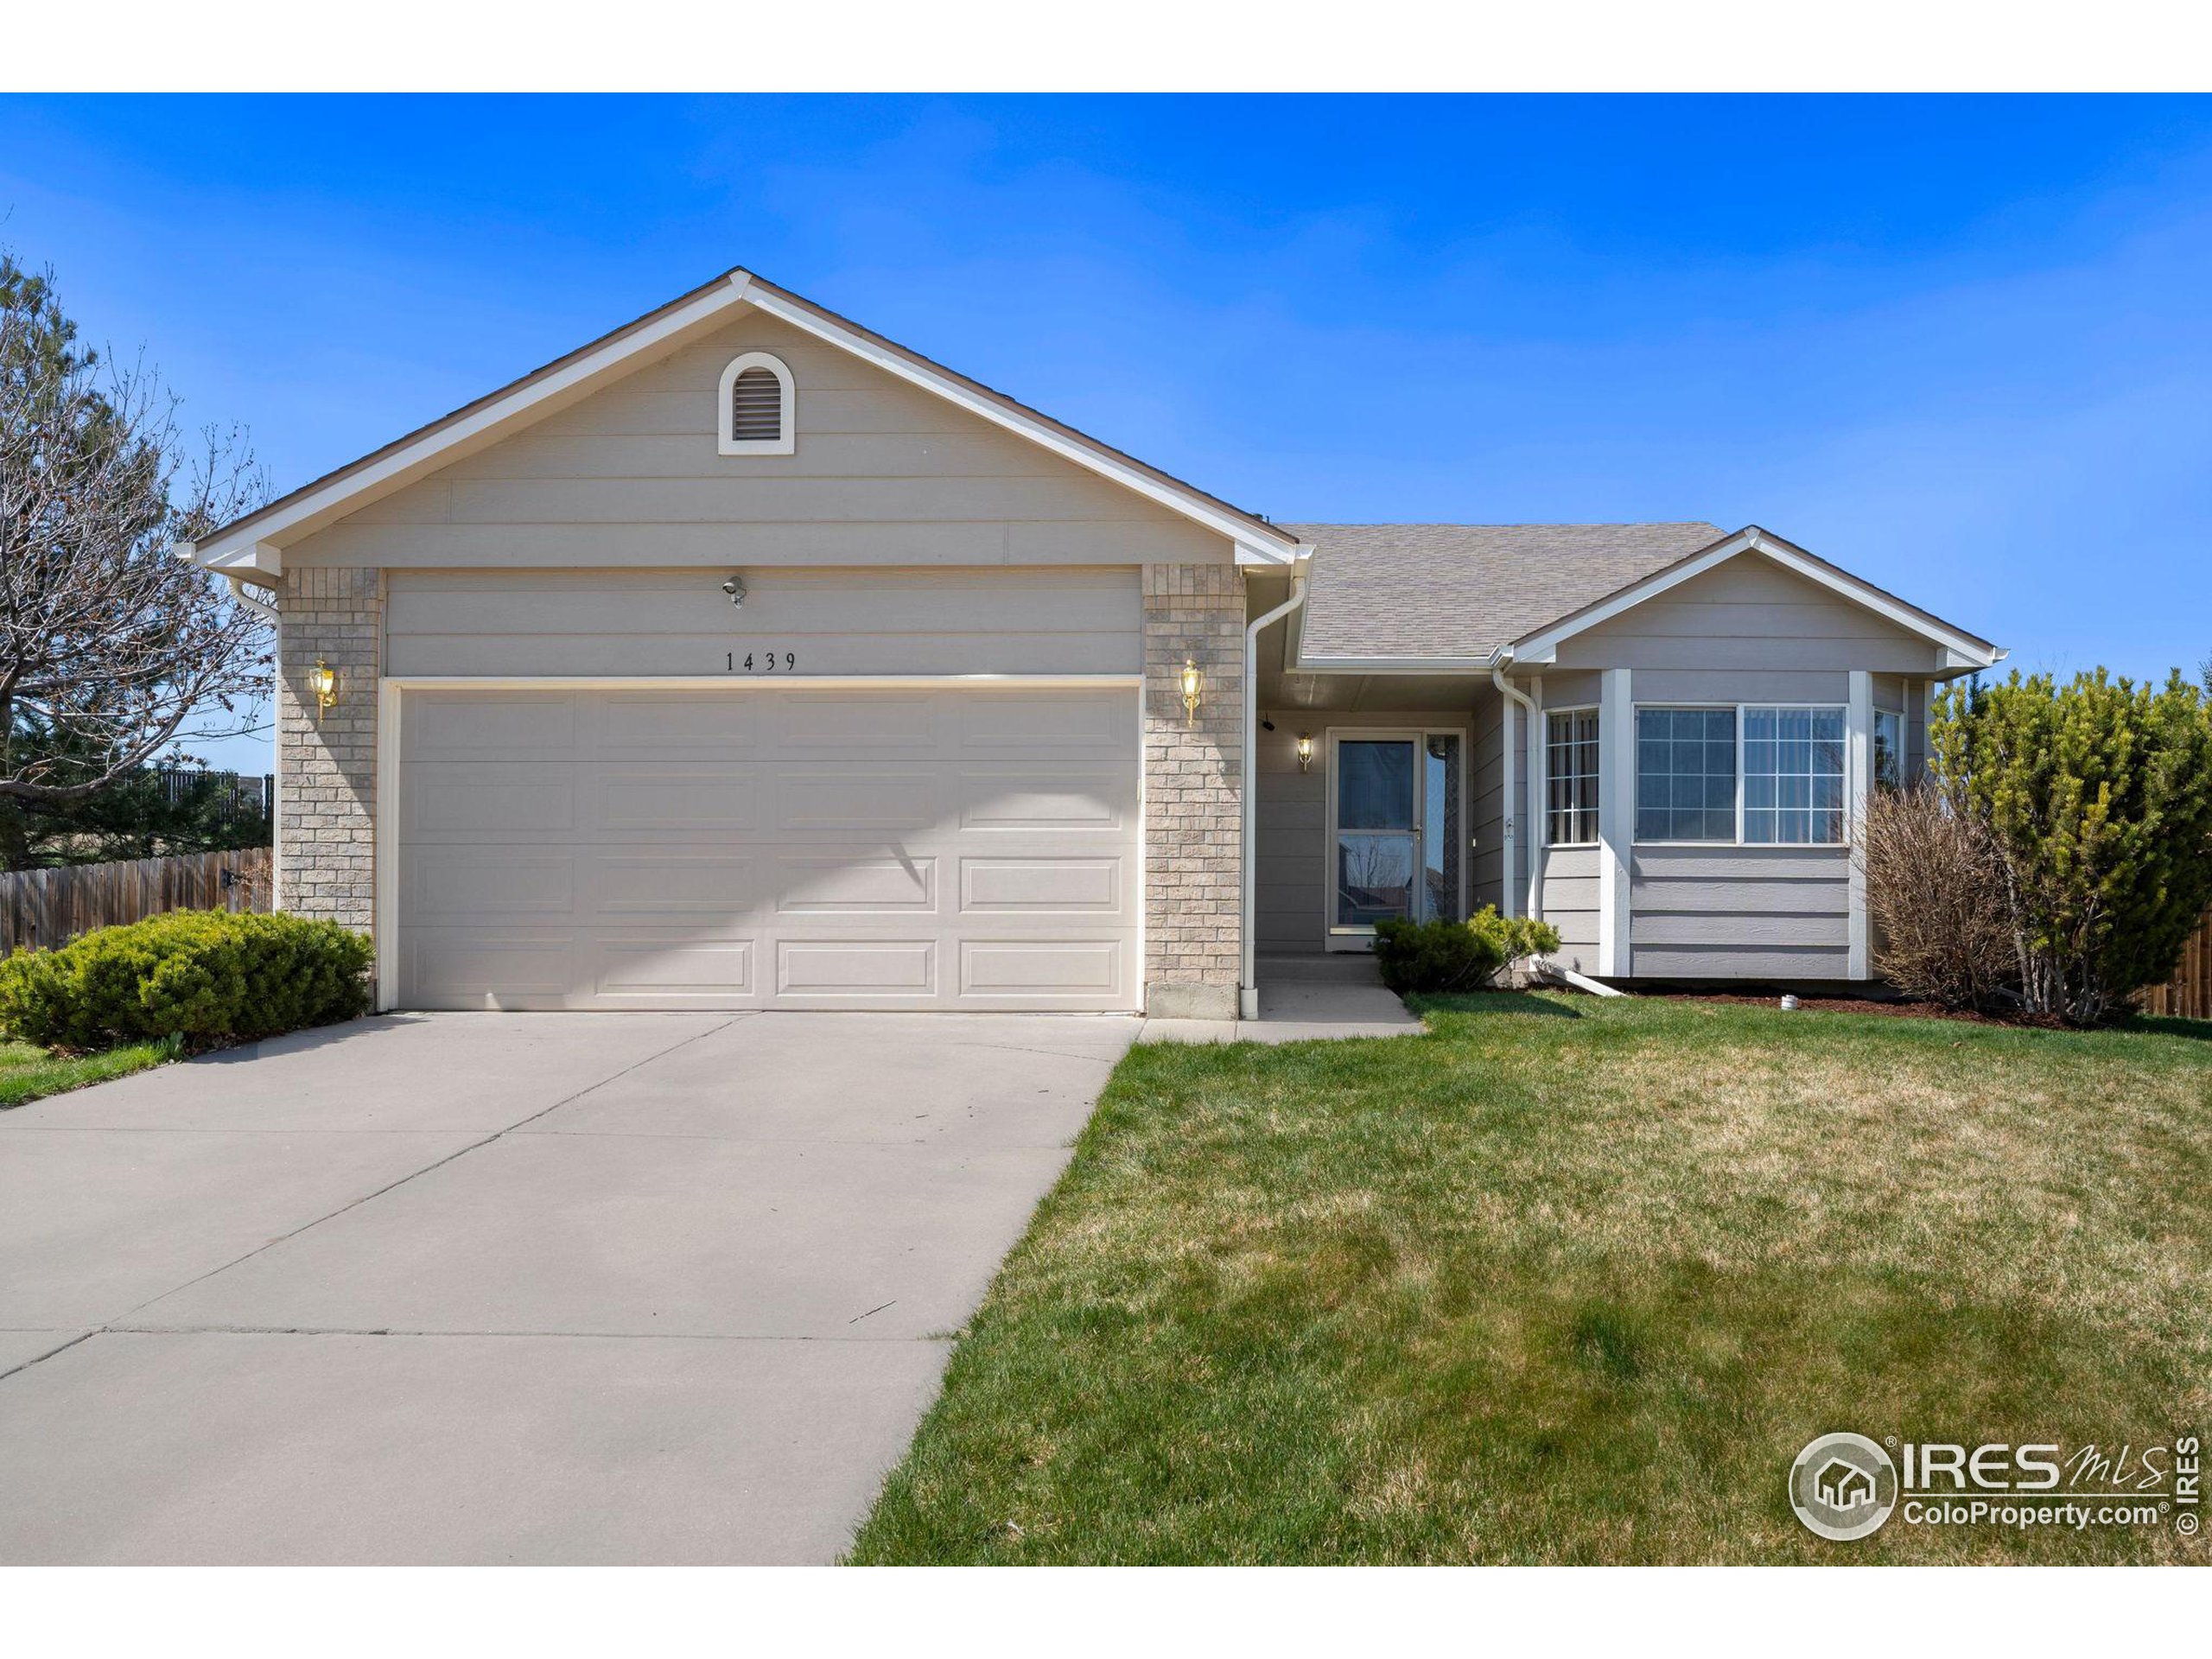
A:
[1961, 346]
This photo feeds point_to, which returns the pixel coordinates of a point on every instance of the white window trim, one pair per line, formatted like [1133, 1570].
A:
[1335, 938]
[1546, 808]
[787, 441]
[1636, 778]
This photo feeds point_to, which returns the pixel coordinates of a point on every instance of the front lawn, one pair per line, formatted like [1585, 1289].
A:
[29, 1073]
[1568, 1279]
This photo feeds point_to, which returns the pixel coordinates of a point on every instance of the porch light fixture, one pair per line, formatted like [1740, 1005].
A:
[324, 681]
[1193, 685]
[1305, 751]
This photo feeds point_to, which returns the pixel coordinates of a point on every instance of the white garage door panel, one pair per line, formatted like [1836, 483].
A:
[915, 849]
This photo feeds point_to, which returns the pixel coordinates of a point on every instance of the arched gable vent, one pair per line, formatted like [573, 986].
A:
[757, 408]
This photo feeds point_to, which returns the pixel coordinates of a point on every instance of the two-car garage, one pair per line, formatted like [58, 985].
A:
[924, 849]
[864, 840]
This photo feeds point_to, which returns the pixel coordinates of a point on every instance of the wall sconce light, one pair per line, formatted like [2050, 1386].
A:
[1193, 685]
[1305, 751]
[324, 683]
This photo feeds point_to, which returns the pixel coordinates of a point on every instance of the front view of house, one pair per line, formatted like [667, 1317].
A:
[743, 659]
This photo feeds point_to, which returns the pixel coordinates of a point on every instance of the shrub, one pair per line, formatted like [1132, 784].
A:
[1935, 888]
[2098, 794]
[1441, 955]
[204, 977]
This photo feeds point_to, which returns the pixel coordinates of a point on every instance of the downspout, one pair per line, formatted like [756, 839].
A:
[1247, 995]
[1535, 900]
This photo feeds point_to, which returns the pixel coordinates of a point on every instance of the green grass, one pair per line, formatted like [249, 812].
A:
[1573, 1280]
[29, 1073]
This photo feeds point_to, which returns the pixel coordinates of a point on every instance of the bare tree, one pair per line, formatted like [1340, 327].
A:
[110, 648]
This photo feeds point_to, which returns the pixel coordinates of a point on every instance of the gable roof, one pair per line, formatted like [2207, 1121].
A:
[1458, 594]
[1451, 597]
[1962, 649]
[254, 543]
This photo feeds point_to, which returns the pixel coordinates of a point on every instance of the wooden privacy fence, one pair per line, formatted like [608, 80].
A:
[2187, 994]
[49, 907]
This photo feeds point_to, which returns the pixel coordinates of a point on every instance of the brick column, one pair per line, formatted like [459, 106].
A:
[326, 767]
[1193, 783]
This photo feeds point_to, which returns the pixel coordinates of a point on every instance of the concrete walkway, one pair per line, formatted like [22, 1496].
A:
[1302, 999]
[510, 1287]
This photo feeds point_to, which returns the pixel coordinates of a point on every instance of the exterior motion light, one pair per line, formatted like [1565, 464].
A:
[324, 683]
[1193, 685]
[735, 589]
[1305, 751]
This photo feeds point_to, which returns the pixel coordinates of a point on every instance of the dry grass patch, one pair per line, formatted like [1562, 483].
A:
[1572, 1280]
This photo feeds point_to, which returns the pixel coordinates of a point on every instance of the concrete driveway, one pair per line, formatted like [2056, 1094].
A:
[510, 1287]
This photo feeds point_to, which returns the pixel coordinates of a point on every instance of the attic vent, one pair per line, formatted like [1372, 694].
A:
[758, 408]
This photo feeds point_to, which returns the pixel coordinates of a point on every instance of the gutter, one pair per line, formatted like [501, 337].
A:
[187, 553]
[1247, 995]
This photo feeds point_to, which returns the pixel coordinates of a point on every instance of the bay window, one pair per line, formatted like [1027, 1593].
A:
[1889, 749]
[1793, 776]
[1686, 774]
[1784, 784]
[1571, 774]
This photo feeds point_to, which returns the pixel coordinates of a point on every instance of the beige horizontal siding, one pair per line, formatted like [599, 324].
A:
[678, 622]
[882, 474]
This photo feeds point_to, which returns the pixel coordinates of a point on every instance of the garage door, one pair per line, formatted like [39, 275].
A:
[913, 848]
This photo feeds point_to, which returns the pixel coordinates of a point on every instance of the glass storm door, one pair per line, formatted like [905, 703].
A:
[1395, 817]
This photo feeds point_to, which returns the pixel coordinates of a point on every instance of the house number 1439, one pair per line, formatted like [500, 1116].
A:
[765, 662]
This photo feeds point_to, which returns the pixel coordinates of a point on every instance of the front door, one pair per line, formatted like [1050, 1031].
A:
[1394, 829]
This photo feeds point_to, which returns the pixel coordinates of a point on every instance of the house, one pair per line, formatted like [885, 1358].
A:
[742, 657]
[1842, 1485]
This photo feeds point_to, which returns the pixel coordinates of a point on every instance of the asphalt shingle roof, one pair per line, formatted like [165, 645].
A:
[1464, 590]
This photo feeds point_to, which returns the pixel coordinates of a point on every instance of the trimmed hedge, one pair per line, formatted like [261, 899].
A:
[1441, 955]
[205, 977]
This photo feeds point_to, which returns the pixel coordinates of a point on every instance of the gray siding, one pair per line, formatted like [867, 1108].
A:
[678, 622]
[1486, 802]
[883, 474]
[1740, 912]
[1571, 904]
[1750, 615]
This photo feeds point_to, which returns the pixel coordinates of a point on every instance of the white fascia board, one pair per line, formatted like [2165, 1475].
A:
[1250, 549]
[246, 548]
[250, 560]
[1544, 647]
[1305, 665]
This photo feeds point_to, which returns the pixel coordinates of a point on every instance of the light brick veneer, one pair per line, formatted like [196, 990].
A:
[1194, 781]
[325, 832]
